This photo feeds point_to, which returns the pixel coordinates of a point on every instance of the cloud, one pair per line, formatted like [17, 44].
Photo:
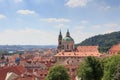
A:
[2, 16]
[55, 20]
[96, 26]
[25, 12]
[76, 3]
[61, 26]
[105, 8]
[28, 36]
[18, 1]
[82, 34]
[84, 22]
[109, 31]
[106, 25]
[79, 28]
[111, 25]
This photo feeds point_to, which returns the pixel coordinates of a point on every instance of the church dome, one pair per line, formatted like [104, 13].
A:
[67, 39]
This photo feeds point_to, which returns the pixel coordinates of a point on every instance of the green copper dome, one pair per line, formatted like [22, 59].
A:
[67, 39]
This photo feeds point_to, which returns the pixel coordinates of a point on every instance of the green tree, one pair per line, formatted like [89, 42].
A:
[90, 69]
[117, 73]
[118, 52]
[110, 67]
[58, 72]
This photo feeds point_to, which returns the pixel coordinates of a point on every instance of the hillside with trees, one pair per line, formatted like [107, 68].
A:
[104, 41]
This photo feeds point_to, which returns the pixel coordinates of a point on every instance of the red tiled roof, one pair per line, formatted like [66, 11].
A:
[26, 78]
[114, 49]
[83, 51]
[87, 48]
[16, 69]
[77, 54]
[13, 57]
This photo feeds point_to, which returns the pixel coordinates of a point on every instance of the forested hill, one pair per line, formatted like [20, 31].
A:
[103, 41]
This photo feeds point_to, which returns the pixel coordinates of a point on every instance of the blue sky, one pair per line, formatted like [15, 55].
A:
[38, 22]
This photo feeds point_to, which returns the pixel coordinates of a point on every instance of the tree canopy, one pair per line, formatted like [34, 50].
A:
[90, 69]
[110, 66]
[58, 72]
[117, 72]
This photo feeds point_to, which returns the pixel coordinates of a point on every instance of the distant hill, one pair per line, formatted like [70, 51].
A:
[104, 41]
[24, 47]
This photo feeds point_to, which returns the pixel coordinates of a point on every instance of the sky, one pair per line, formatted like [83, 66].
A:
[38, 22]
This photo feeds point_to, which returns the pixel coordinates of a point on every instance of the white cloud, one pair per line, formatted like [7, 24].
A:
[76, 3]
[105, 8]
[55, 20]
[111, 25]
[18, 1]
[84, 21]
[96, 26]
[2, 16]
[80, 35]
[62, 26]
[28, 36]
[106, 25]
[109, 31]
[25, 12]
[79, 28]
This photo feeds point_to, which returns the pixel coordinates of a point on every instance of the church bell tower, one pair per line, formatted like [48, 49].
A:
[60, 42]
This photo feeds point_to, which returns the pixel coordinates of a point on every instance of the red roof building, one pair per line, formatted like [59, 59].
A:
[16, 69]
[114, 49]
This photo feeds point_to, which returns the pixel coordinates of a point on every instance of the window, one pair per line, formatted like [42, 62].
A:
[45, 74]
[41, 75]
[73, 70]
[62, 46]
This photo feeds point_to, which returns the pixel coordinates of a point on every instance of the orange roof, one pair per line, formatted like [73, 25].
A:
[115, 47]
[87, 48]
[77, 54]
[16, 69]
[13, 57]
[83, 51]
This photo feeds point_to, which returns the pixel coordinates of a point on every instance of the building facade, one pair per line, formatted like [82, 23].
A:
[66, 49]
[65, 44]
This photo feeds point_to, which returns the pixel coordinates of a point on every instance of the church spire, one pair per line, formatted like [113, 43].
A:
[68, 33]
[60, 41]
[60, 35]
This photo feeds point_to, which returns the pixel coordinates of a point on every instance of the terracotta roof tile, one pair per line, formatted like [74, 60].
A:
[87, 48]
[78, 54]
[114, 49]
[16, 69]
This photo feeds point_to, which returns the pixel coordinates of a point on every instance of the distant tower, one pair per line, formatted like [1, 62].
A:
[60, 41]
